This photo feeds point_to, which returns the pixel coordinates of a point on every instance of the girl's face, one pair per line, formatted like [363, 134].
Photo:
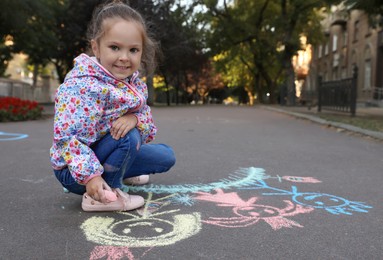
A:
[119, 50]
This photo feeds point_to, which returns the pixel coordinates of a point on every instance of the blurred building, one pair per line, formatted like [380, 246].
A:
[350, 41]
[20, 84]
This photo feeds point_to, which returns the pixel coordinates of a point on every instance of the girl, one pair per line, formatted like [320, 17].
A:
[102, 123]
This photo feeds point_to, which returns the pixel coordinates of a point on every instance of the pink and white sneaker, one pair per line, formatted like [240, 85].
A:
[138, 180]
[120, 202]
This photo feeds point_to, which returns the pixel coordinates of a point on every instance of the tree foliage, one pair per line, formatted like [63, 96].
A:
[250, 43]
[55, 31]
[47, 30]
[263, 35]
[9, 26]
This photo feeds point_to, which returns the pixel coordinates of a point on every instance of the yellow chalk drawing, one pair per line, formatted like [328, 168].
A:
[148, 230]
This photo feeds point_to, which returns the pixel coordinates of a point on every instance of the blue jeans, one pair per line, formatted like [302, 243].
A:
[123, 158]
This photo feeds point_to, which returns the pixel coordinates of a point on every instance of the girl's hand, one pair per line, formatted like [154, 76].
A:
[123, 125]
[96, 189]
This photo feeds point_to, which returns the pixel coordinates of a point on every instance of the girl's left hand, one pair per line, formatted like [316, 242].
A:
[123, 125]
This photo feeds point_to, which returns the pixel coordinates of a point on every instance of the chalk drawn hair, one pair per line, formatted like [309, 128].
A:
[118, 9]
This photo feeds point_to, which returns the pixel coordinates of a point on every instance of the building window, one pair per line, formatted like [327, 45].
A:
[345, 38]
[367, 68]
[367, 74]
[334, 42]
[335, 73]
[369, 31]
[356, 30]
[326, 48]
[320, 47]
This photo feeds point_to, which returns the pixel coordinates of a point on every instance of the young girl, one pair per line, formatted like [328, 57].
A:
[102, 123]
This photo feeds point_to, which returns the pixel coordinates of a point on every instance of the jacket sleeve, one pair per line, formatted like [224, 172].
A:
[75, 124]
[145, 123]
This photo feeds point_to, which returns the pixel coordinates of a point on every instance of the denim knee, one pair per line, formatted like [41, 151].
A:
[67, 181]
[170, 159]
[121, 158]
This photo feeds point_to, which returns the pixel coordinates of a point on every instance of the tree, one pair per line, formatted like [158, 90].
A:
[265, 35]
[36, 38]
[55, 31]
[243, 36]
[69, 26]
[297, 17]
[9, 26]
[47, 30]
[174, 27]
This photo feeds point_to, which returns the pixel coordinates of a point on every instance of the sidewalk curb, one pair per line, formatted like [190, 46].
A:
[373, 134]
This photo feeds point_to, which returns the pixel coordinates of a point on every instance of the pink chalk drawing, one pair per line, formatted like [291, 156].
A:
[301, 179]
[247, 212]
[114, 253]
[111, 252]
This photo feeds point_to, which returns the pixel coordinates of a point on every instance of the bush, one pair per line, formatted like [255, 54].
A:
[16, 109]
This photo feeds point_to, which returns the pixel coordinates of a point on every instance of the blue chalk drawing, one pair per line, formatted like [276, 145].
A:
[332, 204]
[182, 199]
[11, 136]
[242, 178]
[253, 179]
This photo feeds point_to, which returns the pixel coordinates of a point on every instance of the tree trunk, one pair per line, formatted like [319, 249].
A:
[177, 88]
[167, 91]
[35, 74]
[149, 83]
[290, 78]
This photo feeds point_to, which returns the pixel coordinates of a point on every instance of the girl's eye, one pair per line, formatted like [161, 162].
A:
[114, 48]
[134, 50]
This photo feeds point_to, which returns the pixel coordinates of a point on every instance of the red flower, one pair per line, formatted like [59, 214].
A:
[16, 109]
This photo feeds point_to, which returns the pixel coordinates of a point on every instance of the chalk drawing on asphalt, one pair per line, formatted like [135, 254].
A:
[249, 212]
[116, 252]
[241, 178]
[331, 203]
[148, 230]
[159, 224]
[4, 136]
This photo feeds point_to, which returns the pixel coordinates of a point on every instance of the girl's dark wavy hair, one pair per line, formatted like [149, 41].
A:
[118, 9]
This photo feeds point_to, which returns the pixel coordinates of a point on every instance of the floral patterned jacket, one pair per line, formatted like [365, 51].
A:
[86, 105]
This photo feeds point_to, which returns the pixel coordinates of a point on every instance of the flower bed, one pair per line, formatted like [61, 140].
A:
[16, 109]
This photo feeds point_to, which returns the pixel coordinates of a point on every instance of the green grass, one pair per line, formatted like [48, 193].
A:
[365, 122]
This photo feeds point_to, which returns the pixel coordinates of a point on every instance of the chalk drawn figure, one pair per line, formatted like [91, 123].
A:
[137, 232]
[332, 204]
[150, 229]
[248, 212]
[4, 136]
[153, 225]
[114, 252]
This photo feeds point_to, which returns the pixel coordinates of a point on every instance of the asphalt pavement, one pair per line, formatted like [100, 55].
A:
[249, 183]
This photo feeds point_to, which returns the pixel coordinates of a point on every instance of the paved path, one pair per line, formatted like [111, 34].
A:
[249, 183]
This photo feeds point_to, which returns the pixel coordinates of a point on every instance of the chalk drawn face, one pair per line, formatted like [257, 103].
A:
[141, 232]
[142, 229]
[260, 211]
[319, 200]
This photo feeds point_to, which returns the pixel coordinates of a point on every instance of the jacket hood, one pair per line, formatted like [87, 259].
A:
[86, 66]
